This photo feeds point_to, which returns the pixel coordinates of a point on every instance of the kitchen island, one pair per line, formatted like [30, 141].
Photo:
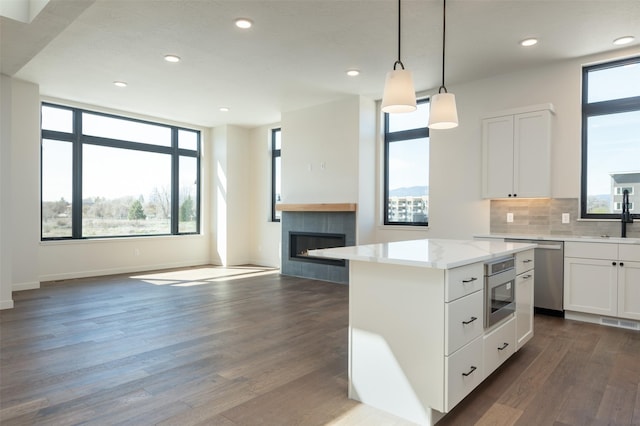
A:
[417, 342]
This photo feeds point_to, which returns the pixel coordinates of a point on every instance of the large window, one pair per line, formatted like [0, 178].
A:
[610, 137]
[276, 164]
[109, 176]
[406, 167]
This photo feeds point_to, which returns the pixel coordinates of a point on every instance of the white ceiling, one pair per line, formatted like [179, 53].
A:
[296, 54]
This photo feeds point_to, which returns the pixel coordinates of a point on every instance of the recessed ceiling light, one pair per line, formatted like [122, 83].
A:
[623, 40]
[224, 109]
[120, 83]
[353, 72]
[172, 58]
[529, 42]
[244, 23]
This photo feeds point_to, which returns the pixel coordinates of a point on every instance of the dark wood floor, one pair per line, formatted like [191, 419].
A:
[214, 346]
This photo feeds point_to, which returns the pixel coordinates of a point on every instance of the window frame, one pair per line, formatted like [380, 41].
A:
[399, 136]
[275, 154]
[78, 140]
[593, 109]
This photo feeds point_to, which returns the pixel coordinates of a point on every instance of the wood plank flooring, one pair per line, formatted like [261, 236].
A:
[246, 346]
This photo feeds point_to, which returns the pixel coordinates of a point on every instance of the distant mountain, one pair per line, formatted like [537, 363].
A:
[412, 191]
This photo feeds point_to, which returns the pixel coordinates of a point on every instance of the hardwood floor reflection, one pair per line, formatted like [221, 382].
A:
[246, 346]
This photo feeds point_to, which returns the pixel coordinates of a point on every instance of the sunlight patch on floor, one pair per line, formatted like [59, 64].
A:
[204, 275]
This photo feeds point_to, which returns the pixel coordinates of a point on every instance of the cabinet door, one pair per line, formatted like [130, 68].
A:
[499, 345]
[532, 154]
[463, 321]
[524, 308]
[497, 157]
[629, 290]
[591, 286]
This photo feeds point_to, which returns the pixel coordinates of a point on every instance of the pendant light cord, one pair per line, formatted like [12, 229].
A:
[444, 26]
[398, 62]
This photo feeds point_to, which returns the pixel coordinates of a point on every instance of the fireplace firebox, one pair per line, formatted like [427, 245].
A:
[301, 242]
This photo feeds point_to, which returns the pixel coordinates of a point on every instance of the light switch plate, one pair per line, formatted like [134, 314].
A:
[509, 217]
[566, 218]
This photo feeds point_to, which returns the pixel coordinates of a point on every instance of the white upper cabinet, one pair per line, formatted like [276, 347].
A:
[516, 153]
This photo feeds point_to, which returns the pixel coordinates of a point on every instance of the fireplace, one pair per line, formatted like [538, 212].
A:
[301, 242]
[323, 227]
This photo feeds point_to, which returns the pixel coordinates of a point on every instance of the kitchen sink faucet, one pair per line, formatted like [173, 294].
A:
[626, 214]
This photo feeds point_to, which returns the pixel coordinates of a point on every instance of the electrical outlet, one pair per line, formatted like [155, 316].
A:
[509, 217]
[566, 218]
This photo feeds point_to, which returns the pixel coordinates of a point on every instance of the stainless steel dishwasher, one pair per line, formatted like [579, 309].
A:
[548, 284]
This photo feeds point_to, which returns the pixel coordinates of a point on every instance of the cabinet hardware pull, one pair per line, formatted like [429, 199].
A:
[613, 263]
[503, 347]
[470, 321]
[526, 277]
[621, 263]
[470, 280]
[527, 261]
[473, 368]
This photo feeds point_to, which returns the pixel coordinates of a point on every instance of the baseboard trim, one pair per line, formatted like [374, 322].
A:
[117, 271]
[6, 304]
[26, 286]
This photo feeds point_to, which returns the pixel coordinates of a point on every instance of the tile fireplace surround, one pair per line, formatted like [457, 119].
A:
[317, 218]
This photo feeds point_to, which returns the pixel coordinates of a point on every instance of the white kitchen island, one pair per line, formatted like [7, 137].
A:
[417, 344]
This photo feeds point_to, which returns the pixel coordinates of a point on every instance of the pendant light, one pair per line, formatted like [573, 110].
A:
[442, 111]
[399, 95]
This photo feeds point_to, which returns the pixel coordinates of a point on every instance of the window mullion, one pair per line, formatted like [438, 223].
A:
[76, 205]
[175, 184]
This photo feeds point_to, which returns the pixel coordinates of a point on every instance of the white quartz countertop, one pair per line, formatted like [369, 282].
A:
[574, 238]
[426, 253]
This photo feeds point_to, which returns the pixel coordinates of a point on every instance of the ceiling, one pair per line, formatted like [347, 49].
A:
[294, 56]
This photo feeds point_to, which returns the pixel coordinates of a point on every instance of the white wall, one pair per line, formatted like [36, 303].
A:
[367, 155]
[328, 135]
[265, 246]
[456, 207]
[233, 202]
[25, 184]
[6, 301]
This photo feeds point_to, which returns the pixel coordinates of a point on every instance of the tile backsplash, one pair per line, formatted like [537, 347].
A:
[544, 217]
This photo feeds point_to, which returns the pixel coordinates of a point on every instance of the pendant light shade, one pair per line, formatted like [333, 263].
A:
[443, 113]
[399, 94]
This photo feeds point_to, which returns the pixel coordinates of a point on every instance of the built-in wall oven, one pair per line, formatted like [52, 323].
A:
[500, 290]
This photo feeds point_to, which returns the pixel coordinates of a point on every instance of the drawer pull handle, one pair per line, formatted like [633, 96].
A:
[470, 371]
[470, 280]
[470, 321]
[527, 261]
[526, 277]
[503, 347]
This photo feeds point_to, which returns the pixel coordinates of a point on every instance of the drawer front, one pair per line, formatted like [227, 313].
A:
[629, 252]
[464, 371]
[463, 321]
[591, 250]
[524, 261]
[463, 280]
[499, 345]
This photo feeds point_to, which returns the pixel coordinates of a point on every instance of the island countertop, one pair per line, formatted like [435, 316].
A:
[426, 253]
